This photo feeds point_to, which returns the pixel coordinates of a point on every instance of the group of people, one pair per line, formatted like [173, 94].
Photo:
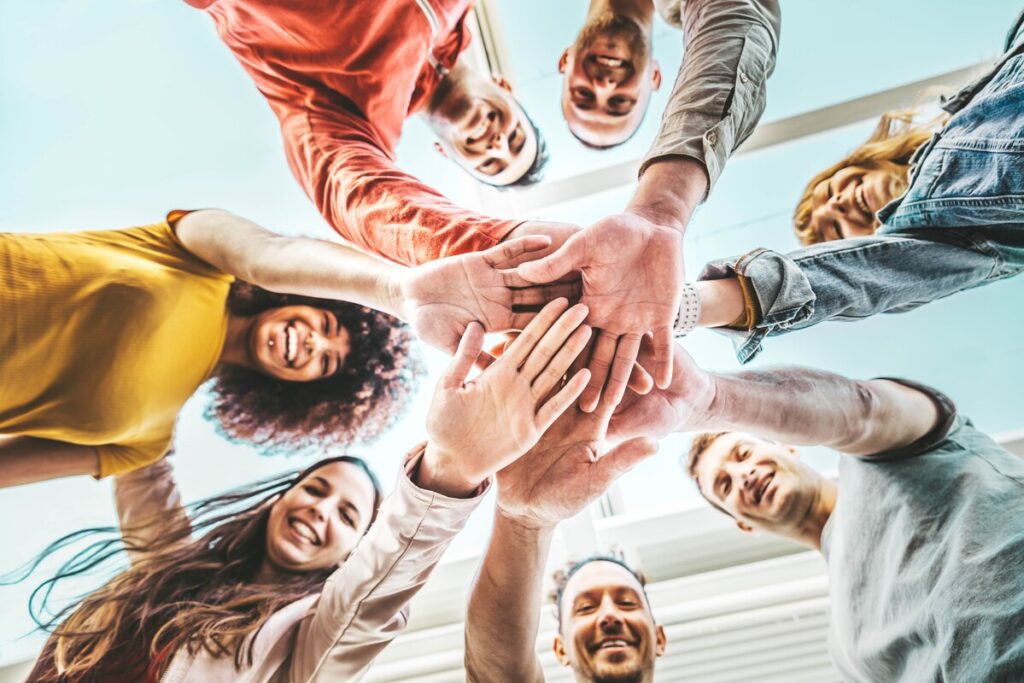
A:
[308, 344]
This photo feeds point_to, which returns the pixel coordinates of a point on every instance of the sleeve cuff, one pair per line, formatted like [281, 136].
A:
[936, 435]
[412, 463]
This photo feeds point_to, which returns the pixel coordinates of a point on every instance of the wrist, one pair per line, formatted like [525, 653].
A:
[393, 292]
[439, 471]
[669, 191]
[523, 526]
[721, 302]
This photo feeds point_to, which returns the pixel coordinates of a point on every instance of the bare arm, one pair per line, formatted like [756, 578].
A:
[803, 406]
[293, 265]
[504, 605]
[149, 507]
[26, 459]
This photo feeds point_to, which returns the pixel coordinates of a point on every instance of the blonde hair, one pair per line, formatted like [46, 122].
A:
[889, 148]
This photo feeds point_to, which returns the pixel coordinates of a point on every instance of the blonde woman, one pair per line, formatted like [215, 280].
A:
[843, 200]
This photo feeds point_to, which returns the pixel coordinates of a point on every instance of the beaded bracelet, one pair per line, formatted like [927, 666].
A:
[689, 311]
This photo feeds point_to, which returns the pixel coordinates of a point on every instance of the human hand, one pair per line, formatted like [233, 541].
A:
[632, 270]
[662, 411]
[566, 470]
[441, 298]
[478, 427]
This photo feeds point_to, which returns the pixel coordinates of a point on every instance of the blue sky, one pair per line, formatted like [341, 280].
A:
[113, 112]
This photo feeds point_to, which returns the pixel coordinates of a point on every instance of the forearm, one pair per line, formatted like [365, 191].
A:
[848, 279]
[804, 406]
[504, 605]
[292, 265]
[719, 93]
[669, 191]
[25, 459]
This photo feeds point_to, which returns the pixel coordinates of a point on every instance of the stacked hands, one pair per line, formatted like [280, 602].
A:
[626, 270]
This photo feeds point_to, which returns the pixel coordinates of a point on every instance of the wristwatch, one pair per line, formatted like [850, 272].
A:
[689, 311]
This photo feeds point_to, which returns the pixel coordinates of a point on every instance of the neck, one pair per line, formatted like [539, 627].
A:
[267, 573]
[640, 11]
[460, 79]
[821, 509]
[236, 342]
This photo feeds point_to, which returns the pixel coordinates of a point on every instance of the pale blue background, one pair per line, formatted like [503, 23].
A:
[113, 112]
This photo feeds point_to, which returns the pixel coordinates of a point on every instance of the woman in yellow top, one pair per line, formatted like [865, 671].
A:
[106, 334]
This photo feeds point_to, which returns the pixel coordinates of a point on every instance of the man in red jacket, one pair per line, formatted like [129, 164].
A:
[342, 76]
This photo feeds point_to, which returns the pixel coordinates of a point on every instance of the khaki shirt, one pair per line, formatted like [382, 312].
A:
[719, 95]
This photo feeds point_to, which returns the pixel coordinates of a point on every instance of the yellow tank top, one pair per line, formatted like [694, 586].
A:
[103, 337]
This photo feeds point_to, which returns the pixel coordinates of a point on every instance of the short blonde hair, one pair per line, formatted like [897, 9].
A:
[890, 146]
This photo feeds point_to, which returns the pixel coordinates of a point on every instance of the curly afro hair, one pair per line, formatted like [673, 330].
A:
[355, 405]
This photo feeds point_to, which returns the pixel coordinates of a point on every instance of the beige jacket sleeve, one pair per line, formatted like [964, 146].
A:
[719, 94]
[148, 505]
[364, 605]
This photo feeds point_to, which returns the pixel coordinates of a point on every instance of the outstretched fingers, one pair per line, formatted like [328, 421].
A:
[470, 346]
[522, 347]
[562, 361]
[663, 353]
[560, 402]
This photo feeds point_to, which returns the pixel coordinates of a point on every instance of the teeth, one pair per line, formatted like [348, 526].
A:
[862, 203]
[291, 343]
[613, 643]
[304, 531]
[608, 61]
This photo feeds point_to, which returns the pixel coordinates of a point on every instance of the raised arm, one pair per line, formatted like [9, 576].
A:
[148, 505]
[566, 471]
[794, 405]
[439, 299]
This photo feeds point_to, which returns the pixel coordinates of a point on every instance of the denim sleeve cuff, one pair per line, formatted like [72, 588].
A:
[783, 295]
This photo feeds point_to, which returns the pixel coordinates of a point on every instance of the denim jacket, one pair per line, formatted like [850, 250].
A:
[960, 225]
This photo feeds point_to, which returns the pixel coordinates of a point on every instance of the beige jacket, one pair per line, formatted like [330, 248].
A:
[333, 636]
[719, 94]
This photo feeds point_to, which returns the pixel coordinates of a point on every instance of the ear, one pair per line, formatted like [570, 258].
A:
[439, 149]
[559, 647]
[659, 641]
[502, 83]
[656, 75]
[563, 61]
[744, 527]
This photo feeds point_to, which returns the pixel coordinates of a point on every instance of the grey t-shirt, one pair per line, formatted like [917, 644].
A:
[925, 550]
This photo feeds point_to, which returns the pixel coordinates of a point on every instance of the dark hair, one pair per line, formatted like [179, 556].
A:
[193, 588]
[562, 576]
[356, 404]
[535, 173]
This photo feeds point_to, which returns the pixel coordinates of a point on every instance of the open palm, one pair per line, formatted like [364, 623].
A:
[566, 470]
[441, 298]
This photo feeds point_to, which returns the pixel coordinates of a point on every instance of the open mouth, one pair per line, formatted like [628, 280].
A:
[861, 201]
[612, 644]
[304, 531]
[762, 487]
[610, 62]
[483, 128]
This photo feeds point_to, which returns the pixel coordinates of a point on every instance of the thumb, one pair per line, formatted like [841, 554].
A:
[623, 458]
[567, 258]
[470, 346]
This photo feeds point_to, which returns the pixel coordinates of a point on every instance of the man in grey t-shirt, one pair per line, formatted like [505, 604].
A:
[924, 543]
[924, 534]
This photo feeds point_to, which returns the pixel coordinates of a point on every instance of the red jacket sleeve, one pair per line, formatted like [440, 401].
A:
[340, 163]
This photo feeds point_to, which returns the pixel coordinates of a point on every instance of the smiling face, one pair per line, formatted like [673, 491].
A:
[317, 522]
[609, 78]
[607, 631]
[485, 131]
[298, 343]
[845, 204]
[761, 484]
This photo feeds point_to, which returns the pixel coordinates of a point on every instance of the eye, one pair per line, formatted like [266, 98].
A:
[313, 490]
[839, 232]
[347, 518]
[724, 486]
[326, 325]
[742, 455]
[584, 608]
[324, 364]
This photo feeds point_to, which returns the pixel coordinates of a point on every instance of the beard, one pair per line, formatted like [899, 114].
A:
[611, 25]
[636, 676]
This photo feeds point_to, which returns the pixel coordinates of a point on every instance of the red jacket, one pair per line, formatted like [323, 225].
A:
[342, 76]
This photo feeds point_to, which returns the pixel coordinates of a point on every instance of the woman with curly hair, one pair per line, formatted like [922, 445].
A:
[106, 334]
[842, 200]
[247, 585]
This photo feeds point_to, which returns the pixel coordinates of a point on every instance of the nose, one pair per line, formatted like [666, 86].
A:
[608, 617]
[498, 146]
[749, 479]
